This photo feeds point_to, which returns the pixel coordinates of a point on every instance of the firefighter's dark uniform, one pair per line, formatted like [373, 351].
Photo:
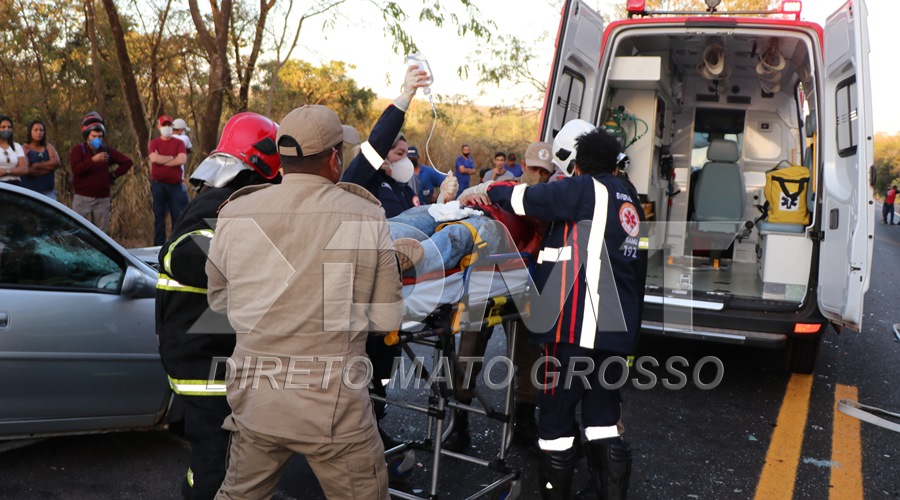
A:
[190, 336]
[591, 277]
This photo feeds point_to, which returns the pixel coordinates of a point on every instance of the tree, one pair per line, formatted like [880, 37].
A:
[129, 84]
[215, 44]
[245, 68]
[300, 83]
[510, 59]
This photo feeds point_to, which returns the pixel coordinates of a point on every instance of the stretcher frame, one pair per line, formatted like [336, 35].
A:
[439, 334]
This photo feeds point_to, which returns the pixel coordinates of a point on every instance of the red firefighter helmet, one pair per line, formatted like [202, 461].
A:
[250, 137]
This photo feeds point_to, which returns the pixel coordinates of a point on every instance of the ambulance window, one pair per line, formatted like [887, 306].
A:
[569, 98]
[712, 124]
[847, 117]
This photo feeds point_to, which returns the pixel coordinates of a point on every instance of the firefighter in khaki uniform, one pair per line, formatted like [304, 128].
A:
[191, 337]
[304, 270]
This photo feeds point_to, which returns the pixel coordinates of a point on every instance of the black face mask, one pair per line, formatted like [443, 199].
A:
[6, 134]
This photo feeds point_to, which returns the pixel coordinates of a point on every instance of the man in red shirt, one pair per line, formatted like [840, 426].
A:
[888, 207]
[167, 157]
[91, 162]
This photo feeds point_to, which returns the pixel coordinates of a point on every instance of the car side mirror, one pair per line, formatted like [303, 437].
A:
[137, 284]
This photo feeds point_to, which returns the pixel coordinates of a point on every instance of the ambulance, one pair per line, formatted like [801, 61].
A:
[750, 143]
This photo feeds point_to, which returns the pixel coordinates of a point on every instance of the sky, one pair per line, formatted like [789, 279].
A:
[365, 46]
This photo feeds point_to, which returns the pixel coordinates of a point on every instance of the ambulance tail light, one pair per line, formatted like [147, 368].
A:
[807, 327]
[792, 7]
[636, 7]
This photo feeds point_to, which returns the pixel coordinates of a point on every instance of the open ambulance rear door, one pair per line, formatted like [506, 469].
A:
[847, 153]
[575, 81]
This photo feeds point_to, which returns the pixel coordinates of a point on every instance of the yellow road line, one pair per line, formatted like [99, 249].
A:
[846, 450]
[780, 470]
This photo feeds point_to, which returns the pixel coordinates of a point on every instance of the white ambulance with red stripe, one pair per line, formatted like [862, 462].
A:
[750, 139]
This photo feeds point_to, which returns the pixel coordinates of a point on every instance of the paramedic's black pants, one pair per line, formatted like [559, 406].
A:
[203, 418]
[382, 358]
[885, 210]
[599, 406]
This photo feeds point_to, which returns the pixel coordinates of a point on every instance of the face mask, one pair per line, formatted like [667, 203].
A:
[166, 131]
[402, 171]
[96, 142]
[531, 179]
[6, 134]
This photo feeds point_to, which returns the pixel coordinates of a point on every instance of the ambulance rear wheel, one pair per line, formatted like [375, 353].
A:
[801, 354]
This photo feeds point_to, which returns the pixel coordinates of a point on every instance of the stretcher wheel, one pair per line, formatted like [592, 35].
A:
[511, 492]
[400, 467]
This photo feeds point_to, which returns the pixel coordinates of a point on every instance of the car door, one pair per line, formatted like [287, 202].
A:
[575, 78]
[75, 354]
[847, 155]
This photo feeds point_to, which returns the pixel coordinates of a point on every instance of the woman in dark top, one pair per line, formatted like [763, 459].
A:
[43, 160]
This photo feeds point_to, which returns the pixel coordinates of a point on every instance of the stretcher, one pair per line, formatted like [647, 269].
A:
[479, 297]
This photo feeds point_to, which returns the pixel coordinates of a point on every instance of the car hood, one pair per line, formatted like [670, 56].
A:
[147, 255]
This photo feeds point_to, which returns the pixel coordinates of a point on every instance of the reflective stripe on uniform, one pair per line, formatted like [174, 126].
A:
[167, 260]
[590, 315]
[166, 283]
[371, 155]
[517, 199]
[197, 387]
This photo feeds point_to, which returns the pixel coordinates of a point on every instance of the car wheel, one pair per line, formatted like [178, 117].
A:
[800, 354]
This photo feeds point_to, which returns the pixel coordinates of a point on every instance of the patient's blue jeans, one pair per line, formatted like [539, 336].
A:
[445, 248]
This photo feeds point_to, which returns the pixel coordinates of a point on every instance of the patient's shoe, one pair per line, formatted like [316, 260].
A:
[409, 252]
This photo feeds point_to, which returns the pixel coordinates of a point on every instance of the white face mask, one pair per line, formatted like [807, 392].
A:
[402, 171]
[166, 131]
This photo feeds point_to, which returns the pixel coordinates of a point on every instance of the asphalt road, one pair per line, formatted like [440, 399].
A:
[761, 432]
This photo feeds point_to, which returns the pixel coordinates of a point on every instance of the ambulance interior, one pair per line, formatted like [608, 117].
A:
[703, 119]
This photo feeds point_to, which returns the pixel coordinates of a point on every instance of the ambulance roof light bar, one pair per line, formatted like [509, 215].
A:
[792, 7]
[788, 7]
[636, 7]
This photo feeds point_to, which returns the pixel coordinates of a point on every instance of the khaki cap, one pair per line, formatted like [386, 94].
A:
[351, 136]
[309, 130]
[538, 155]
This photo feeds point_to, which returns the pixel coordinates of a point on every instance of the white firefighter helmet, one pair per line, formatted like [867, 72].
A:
[564, 144]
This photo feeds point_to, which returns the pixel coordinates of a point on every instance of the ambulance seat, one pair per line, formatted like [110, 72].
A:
[719, 193]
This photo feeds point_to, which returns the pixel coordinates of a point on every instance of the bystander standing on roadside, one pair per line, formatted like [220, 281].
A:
[13, 162]
[512, 165]
[43, 161]
[888, 208]
[92, 179]
[465, 167]
[179, 131]
[167, 158]
[499, 172]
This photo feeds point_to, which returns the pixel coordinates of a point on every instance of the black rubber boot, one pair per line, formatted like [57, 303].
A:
[555, 470]
[459, 439]
[524, 425]
[609, 461]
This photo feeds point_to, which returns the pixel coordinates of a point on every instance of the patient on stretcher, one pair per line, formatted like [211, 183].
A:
[449, 236]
